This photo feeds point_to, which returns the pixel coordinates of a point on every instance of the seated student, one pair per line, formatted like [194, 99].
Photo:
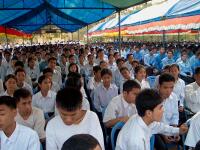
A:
[1, 87]
[140, 76]
[75, 82]
[122, 106]
[81, 142]
[28, 115]
[126, 76]
[129, 61]
[45, 98]
[117, 76]
[49, 73]
[96, 80]
[193, 135]
[20, 75]
[136, 133]
[192, 93]
[71, 121]
[105, 92]
[10, 85]
[13, 135]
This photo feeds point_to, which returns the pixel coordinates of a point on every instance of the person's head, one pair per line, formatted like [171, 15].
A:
[74, 82]
[116, 55]
[81, 142]
[130, 90]
[162, 50]
[10, 83]
[73, 67]
[7, 56]
[63, 58]
[184, 56]
[174, 70]
[19, 64]
[48, 72]
[140, 72]
[166, 85]
[69, 103]
[170, 54]
[166, 69]
[100, 54]
[44, 83]
[97, 72]
[120, 62]
[31, 62]
[72, 59]
[135, 63]
[125, 73]
[24, 101]
[197, 75]
[149, 105]
[106, 76]
[111, 58]
[103, 64]
[81, 58]
[90, 58]
[13, 61]
[20, 75]
[52, 62]
[7, 112]
[130, 58]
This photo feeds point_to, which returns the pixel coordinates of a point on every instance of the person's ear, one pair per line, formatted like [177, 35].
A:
[148, 113]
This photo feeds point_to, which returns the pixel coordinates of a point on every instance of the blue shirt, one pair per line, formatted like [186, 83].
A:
[185, 67]
[137, 56]
[149, 60]
[167, 61]
[195, 62]
[158, 58]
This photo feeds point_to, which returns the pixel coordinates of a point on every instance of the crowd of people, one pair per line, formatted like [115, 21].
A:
[70, 96]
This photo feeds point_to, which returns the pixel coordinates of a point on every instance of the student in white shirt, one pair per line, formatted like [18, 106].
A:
[12, 135]
[136, 133]
[129, 61]
[170, 106]
[49, 73]
[10, 85]
[122, 106]
[20, 76]
[28, 115]
[140, 76]
[95, 81]
[71, 120]
[193, 135]
[81, 142]
[192, 93]
[126, 76]
[45, 98]
[111, 63]
[105, 92]
[117, 76]
[56, 74]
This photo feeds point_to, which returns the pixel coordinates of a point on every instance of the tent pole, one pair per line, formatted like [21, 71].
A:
[72, 36]
[87, 36]
[6, 37]
[163, 38]
[78, 36]
[178, 37]
[119, 31]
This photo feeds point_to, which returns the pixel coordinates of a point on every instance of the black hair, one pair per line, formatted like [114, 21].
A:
[147, 99]
[52, 58]
[166, 67]
[80, 142]
[175, 65]
[138, 68]
[124, 68]
[73, 82]
[70, 65]
[20, 70]
[7, 78]
[130, 84]
[30, 59]
[21, 93]
[19, 63]
[106, 72]
[8, 101]
[70, 56]
[101, 62]
[119, 60]
[69, 99]
[166, 77]
[47, 70]
[197, 70]
[96, 68]
[74, 74]
[110, 55]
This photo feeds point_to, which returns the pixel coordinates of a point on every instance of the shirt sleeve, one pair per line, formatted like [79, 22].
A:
[192, 95]
[34, 143]
[110, 112]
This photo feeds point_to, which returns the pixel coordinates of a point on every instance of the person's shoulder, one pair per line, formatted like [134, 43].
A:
[54, 121]
[114, 86]
[37, 111]
[28, 131]
[191, 85]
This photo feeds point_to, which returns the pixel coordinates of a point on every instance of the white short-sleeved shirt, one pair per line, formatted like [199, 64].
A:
[57, 132]
[92, 84]
[193, 135]
[27, 87]
[179, 89]
[144, 84]
[23, 138]
[35, 121]
[135, 135]
[47, 104]
[118, 107]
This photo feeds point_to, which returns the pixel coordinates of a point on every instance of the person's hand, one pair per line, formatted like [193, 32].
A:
[177, 138]
[168, 139]
[181, 108]
[183, 129]
[124, 119]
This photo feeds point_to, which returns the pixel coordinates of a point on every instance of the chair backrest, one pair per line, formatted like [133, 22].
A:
[151, 80]
[152, 141]
[114, 133]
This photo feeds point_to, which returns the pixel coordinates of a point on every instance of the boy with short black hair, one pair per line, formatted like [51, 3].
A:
[28, 115]
[137, 132]
[71, 121]
[13, 135]
[122, 106]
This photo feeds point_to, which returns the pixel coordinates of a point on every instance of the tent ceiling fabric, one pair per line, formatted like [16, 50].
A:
[69, 15]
